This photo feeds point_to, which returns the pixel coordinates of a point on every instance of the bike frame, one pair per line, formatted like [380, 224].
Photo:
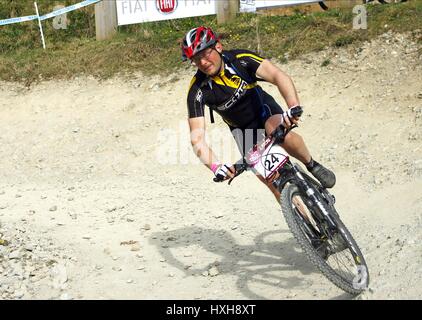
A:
[306, 187]
[290, 172]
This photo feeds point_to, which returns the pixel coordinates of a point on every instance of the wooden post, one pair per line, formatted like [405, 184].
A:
[105, 19]
[234, 8]
[226, 10]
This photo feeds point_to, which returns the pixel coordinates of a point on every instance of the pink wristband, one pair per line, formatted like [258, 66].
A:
[215, 166]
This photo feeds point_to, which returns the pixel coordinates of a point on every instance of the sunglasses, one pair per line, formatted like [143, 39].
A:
[204, 54]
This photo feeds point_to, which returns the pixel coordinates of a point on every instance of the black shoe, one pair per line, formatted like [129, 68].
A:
[323, 175]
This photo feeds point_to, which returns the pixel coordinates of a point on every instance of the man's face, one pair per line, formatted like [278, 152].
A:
[209, 60]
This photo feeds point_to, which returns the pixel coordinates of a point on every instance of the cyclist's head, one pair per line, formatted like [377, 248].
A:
[196, 40]
[202, 47]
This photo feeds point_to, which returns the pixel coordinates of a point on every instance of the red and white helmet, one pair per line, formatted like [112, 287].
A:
[197, 40]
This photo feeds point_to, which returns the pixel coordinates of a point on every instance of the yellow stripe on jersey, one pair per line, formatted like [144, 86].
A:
[192, 82]
[232, 82]
[258, 59]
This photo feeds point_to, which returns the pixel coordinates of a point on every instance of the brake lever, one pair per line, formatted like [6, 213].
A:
[235, 175]
[240, 168]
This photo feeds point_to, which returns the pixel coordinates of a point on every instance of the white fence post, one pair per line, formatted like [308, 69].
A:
[40, 25]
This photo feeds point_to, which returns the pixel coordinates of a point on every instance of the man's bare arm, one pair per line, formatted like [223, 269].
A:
[271, 73]
[197, 138]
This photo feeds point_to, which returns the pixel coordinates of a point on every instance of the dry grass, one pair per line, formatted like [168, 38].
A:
[153, 47]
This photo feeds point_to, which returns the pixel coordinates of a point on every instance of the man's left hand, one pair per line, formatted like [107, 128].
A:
[288, 122]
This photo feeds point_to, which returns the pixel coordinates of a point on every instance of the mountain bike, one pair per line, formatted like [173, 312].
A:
[309, 211]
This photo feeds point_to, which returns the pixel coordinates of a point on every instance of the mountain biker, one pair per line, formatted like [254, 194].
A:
[226, 81]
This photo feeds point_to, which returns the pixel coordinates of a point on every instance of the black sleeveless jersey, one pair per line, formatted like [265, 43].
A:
[235, 99]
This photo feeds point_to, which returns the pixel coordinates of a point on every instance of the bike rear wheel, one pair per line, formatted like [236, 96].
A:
[334, 252]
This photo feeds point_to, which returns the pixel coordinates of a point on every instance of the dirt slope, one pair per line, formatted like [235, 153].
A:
[90, 210]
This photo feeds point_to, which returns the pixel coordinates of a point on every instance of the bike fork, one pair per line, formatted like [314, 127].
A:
[310, 192]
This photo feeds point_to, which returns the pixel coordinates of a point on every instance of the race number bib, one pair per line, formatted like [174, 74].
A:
[267, 162]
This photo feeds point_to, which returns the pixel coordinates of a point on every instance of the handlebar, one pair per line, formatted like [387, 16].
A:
[295, 112]
[239, 167]
[279, 134]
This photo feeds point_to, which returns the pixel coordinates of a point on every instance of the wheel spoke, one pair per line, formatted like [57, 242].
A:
[336, 260]
[341, 262]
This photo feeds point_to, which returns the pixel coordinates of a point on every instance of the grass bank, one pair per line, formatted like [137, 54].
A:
[153, 47]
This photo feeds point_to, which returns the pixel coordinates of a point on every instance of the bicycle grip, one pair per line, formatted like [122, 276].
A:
[295, 112]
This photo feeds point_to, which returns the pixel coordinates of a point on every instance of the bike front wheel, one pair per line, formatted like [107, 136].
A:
[332, 250]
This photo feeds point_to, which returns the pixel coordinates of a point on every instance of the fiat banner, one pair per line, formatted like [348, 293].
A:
[137, 11]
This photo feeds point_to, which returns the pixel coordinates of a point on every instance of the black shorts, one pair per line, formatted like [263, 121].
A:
[246, 137]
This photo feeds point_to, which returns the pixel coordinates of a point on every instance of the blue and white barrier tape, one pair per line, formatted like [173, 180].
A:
[51, 14]
[68, 9]
[17, 20]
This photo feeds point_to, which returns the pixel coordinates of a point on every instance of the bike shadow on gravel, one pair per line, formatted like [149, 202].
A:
[273, 260]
